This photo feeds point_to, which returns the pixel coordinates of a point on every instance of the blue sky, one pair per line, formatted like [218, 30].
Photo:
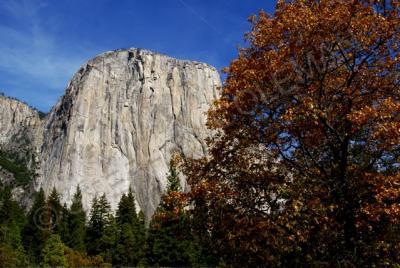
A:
[44, 42]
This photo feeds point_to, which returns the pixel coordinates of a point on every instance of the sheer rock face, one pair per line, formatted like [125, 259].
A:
[20, 130]
[123, 115]
[20, 136]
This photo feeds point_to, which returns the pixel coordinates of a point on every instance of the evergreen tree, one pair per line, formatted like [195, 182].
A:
[174, 184]
[63, 225]
[131, 239]
[141, 237]
[36, 230]
[53, 253]
[170, 242]
[109, 238]
[94, 229]
[55, 212]
[6, 211]
[102, 230]
[10, 235]
[126, 212]
[10, 210]
[125, 246]
[76, 223]
[11, 221]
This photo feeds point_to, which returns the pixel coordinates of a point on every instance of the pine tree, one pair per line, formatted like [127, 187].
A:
[131, 239]
[102, 230]
[141, 233]
[174, 184]
[125, 246]
[170, 242]
[109, 238]
[11, 221]
[36, 230]
[63, 225]
[76, 223]
[53, 253]
[6, 211]
[126, 212]
[94, 229]
[10, 235]
[10, 210]
[55, 212]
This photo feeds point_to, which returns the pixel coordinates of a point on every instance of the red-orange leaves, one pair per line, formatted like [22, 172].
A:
[304, 165]
[386, 191]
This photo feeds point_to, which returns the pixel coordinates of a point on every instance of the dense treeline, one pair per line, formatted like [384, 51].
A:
[54, 235]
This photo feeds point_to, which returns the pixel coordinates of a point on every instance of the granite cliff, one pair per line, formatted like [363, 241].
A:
[20, 128]
[123, 115]
[20, 140]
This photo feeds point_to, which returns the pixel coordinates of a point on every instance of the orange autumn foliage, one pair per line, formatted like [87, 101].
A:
[78, 259]
[304, 166]
[172, 208]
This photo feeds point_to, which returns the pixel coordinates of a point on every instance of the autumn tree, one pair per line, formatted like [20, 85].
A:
[304, 164]
[170, 241]
[79, 259]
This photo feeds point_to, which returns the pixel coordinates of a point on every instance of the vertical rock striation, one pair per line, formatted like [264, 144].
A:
[20, 126]
[123, 115]
[20, 139]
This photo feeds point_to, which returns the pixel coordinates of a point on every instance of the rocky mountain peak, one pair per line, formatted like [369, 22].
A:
[122, 117]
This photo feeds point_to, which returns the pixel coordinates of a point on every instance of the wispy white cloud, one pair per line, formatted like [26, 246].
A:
[197, 14]
[32, 52]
